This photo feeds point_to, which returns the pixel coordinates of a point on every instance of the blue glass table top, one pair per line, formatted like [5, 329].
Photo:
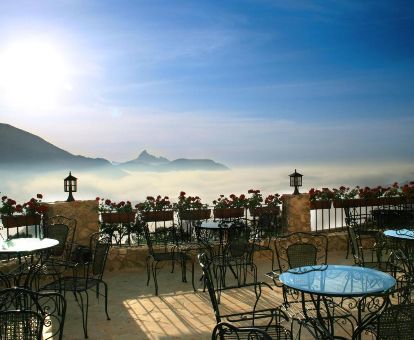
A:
[405, 234]
[337, 280]
[22, 245]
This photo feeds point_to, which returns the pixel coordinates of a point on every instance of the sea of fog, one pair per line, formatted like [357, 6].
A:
[135, 186]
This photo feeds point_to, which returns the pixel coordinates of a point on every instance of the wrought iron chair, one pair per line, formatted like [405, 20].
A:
[87, 277]
[225, 330]
[366, 227]
[267, 320]
[264, 230]
[359, 257]
[21, 324]
[297, 250]
[379, 316]
[165, 254]
[235, 254]
[63, 229]
[25, 314]
[396, 322]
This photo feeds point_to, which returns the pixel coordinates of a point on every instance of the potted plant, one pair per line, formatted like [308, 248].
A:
[320, 199]
[255, 203]
[345, 197]
[190, 208]
[371, 196]
[407, 191]
[232, 207]
[156, 209]
[17, 215]
[393, 195]
[112, 212]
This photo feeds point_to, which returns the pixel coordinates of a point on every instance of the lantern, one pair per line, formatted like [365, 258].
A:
[70, 185]
[296, 181]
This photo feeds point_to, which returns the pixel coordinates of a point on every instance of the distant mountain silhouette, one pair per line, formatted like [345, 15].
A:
[148, 162]
[20, 148]
[23, 150]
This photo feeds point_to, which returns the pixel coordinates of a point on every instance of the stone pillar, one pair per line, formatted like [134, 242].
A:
[84, 212]
[296, 213]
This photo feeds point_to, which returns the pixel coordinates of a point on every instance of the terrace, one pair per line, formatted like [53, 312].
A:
[178, 312]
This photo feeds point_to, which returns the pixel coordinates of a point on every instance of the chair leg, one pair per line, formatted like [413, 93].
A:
[148, 271]
[192, 275]
[84, 313]
[106, 300]
[184, 270]
[154, 275]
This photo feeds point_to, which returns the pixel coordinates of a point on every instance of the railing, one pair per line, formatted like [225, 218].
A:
[383, 214]
[127, 234]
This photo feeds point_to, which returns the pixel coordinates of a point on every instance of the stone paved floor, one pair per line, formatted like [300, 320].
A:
[177, 313]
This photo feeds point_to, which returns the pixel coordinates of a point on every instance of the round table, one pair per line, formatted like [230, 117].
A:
[323, 282]
[24, 248]
[337, 280]
[403, 234]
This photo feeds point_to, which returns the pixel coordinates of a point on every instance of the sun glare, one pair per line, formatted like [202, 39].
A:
[32, 74]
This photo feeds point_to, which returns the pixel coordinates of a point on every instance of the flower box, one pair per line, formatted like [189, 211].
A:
[349, 203]
[158, 216]
[20, 220]
[264, 210]
[228, 212]
[322, 204]
[118, 217]
[196, 214]
[393, 200]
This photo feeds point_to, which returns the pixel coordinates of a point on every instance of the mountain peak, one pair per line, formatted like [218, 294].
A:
[146, 157]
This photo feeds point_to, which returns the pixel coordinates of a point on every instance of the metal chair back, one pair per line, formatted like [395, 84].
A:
[24, 314]
[63, 229]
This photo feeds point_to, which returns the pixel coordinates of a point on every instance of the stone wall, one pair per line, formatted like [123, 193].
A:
[295, 209]
[296, 213]
[84, 212]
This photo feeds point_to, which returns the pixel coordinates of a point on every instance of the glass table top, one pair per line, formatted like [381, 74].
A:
[406, 234]
[337, 280]
[217, 224]
[19, 245]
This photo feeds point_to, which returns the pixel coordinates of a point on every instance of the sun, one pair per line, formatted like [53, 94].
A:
[32, 74]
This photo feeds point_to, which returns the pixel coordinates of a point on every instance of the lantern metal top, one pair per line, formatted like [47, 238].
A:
[70, 177]
[296, 181]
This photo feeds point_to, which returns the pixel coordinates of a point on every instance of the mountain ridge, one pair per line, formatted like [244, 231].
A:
[21, 148]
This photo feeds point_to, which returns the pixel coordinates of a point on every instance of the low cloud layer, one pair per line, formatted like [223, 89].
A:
[208, 185]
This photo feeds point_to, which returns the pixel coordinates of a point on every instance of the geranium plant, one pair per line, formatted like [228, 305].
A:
[407, 190]
[344, 193]
[393, 191]
[155, 204]
[107, 206]
[34, 206]
[273, 201]
[232, 202]
[188, 203]
[255, 200]
[369, 193]
[319, 195]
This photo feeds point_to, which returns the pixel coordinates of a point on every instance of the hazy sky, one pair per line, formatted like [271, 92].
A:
[241, 82]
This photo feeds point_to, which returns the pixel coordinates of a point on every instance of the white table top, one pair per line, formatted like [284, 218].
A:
[26, 245]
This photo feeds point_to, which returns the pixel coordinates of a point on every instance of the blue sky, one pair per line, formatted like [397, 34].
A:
[241, 82]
